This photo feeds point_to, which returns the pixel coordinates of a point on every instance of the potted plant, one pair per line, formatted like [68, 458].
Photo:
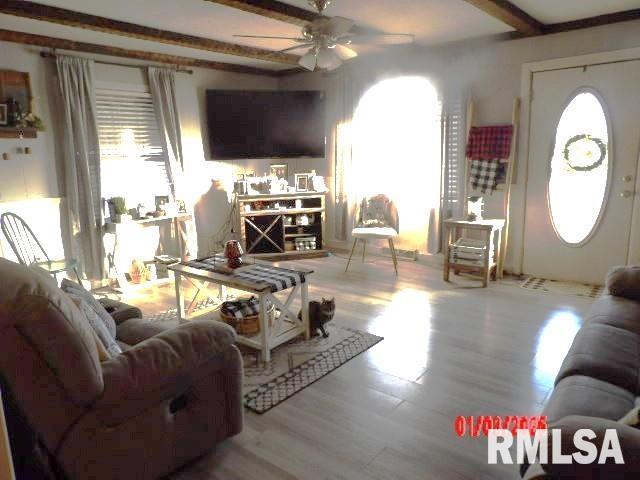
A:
[120, 210]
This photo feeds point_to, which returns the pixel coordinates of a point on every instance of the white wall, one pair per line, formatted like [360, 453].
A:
[29, 176]
[208, 183]
[487, 70]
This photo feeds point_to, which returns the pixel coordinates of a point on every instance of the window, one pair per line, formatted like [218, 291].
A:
[579, 168]
[397, 142]
[132, 158]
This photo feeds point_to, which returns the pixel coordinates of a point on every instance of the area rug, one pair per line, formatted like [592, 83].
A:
[564, 288]
[294, 365]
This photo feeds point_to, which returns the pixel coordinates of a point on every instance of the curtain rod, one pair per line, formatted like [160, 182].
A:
[45, 54]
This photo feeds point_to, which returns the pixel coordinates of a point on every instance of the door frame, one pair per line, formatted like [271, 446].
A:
[526, 93]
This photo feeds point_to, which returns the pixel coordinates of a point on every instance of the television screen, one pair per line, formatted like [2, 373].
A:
[265, 124]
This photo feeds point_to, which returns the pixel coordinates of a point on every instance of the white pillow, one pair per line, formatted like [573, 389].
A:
[98, 326]
[75, 288]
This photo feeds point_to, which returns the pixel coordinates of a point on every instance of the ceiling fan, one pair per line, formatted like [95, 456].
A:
[328, 40]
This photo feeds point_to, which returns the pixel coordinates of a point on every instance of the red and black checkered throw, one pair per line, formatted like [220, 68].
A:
[489, 143]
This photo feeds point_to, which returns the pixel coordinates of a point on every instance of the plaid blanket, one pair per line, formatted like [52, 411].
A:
[486, 174]
[241, 308]
[276, 277]
[488, 143]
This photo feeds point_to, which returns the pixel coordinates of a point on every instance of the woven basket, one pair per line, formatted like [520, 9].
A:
[248, 325]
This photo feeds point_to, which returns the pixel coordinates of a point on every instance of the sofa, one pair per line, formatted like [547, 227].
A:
[170, 396]
[599, 383]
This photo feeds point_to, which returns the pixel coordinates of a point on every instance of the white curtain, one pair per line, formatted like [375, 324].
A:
[345, 105]
[162, 85]
[81, 162]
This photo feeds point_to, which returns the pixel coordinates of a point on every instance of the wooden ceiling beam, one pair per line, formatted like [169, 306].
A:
[510, 14]
[597, 21]
[72, 18]
[63, 44]
[273, 9]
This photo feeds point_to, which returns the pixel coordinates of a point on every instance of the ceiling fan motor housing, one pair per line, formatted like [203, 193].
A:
[319, 5]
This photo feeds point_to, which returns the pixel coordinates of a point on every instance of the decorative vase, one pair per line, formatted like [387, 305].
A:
[233, 253]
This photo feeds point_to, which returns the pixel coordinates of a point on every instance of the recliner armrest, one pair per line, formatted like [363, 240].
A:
[121, 312]
[162, 368]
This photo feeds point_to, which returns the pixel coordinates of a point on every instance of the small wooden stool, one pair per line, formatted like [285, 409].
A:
[491, 231]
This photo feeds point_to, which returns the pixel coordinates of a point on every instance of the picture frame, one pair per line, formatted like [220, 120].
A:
[3, 114]
[161, 201]
[302, 182]
[280, 170]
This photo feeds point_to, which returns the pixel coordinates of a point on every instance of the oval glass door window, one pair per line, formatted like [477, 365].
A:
[579, 169]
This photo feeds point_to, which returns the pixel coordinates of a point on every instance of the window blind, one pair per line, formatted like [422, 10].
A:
[454, 157]
[132, 158]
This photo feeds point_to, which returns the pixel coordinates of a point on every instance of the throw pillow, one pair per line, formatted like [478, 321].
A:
[374, 212]
[109, 343]
[75, 288]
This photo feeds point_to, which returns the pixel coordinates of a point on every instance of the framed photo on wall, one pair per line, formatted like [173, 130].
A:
[3, 114]
[302, 182]
[279, 170]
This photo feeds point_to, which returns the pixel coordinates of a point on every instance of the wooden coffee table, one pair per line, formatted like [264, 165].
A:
[285, 326]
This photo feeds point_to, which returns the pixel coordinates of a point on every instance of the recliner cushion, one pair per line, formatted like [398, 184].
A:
[604, 352]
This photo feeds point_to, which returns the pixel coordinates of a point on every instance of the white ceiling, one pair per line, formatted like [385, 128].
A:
[556, 11]
[431, 21]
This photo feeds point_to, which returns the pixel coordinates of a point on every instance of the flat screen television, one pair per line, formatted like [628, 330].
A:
[265, 124]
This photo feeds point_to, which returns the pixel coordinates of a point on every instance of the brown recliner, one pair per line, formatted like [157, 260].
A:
[167, 399]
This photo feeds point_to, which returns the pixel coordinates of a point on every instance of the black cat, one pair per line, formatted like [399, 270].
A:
[319, 314]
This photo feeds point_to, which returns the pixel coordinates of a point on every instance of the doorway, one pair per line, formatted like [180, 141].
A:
[582, 171]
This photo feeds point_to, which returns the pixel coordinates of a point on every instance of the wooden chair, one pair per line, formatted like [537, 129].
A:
[28, 248]
[376, 219]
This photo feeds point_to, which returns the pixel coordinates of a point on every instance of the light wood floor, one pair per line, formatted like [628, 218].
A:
[449, 349]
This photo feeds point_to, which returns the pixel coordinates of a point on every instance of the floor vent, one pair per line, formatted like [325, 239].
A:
[400, 253]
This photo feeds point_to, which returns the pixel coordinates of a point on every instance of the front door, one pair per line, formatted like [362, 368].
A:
[583, 161]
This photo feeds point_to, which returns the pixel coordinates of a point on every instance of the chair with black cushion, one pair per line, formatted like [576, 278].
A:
[29, 250]
[377, 219]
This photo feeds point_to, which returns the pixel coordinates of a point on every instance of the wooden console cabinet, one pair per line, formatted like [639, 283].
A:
[281, 226]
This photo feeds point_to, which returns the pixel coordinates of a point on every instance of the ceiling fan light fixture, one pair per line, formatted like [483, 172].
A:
[308, 60]
[344, 52]
[328, 59]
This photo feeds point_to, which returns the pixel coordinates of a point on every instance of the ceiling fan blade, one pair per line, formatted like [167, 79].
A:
[377, 39]
[303, 45]
[308, 60]
[345, 53]
[296, 39]
[338, 26]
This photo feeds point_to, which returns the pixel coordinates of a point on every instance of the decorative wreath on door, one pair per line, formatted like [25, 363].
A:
[588, 152]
